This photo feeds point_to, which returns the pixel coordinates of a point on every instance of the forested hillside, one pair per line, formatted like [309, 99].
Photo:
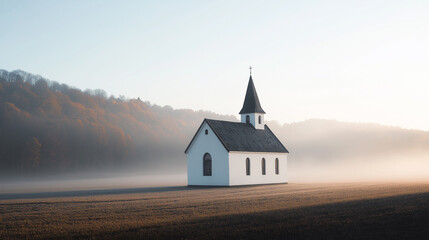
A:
[50, 127]
[47, 127]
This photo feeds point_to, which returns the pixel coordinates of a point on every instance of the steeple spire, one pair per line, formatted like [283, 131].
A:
[251, 101]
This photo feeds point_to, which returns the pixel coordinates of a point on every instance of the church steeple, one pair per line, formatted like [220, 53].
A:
[251, 101]
[252, 111]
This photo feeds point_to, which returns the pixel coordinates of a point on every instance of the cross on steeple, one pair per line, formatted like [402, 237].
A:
[251, 101]
[250, 70]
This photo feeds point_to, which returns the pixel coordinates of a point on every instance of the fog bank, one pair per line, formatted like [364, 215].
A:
[53, 133]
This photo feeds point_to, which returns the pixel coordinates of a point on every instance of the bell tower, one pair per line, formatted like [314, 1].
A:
[252, 111]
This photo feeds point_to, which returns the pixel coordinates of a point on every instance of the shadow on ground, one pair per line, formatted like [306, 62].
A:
[87, 193]
[397, 217]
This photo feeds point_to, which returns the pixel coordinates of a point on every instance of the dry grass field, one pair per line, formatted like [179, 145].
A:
[287, 211]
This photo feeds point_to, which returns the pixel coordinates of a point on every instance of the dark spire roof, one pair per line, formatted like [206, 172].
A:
[251, 101]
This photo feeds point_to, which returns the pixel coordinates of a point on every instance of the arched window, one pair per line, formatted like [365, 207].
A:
[207, 165]
[207, 132]
[277, 166]
[259, 119]
[263, 166]
[247, 119]
[247, 166]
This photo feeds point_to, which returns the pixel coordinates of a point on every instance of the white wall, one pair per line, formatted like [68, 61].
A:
[237, 167]
[254, 119]
[201, 145]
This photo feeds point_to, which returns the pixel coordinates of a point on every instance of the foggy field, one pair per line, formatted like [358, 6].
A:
[292, 211]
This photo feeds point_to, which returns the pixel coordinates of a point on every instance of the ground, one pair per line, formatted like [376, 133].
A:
[286, 211]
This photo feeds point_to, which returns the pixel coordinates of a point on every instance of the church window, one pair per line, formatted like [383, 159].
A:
[247, 119]
[247, 166]
[277, 166]
[207, 132]
[207, 164]
[259, 119]
[263, 166]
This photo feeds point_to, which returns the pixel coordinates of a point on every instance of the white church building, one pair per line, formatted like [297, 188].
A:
[224, 153]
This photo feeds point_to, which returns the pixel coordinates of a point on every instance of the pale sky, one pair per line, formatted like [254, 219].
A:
[356, 61]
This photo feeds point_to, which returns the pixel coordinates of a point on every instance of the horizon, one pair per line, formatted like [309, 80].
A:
[309, 59]
[122, 120]
[208, 110]
[53, 128]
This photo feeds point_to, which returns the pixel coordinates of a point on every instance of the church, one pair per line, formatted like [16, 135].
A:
[224, 153]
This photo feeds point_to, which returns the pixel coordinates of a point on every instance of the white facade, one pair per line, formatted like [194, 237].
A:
[237, 166]
[254, 119]
[211, 144]
[229, 168]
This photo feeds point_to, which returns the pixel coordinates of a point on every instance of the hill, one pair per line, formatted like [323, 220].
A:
[50, 128]
[47, 127]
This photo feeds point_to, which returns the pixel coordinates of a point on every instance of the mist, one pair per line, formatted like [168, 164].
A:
[331, 151]
[50, 129]
[51, 132]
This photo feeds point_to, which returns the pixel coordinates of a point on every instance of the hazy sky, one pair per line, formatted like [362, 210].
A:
[359, 61]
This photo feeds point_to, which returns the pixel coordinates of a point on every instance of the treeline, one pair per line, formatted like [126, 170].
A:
[50, 127]
[47, 127]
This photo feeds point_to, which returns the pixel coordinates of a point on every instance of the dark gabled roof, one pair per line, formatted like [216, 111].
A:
[237, 136]
[251, 101]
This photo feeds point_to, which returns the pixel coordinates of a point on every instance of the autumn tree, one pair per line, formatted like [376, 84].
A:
[31, 154]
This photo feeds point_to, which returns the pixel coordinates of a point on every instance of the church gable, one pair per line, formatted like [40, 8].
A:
[204, 129]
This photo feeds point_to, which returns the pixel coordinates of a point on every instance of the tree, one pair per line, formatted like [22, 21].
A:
[32, 155]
